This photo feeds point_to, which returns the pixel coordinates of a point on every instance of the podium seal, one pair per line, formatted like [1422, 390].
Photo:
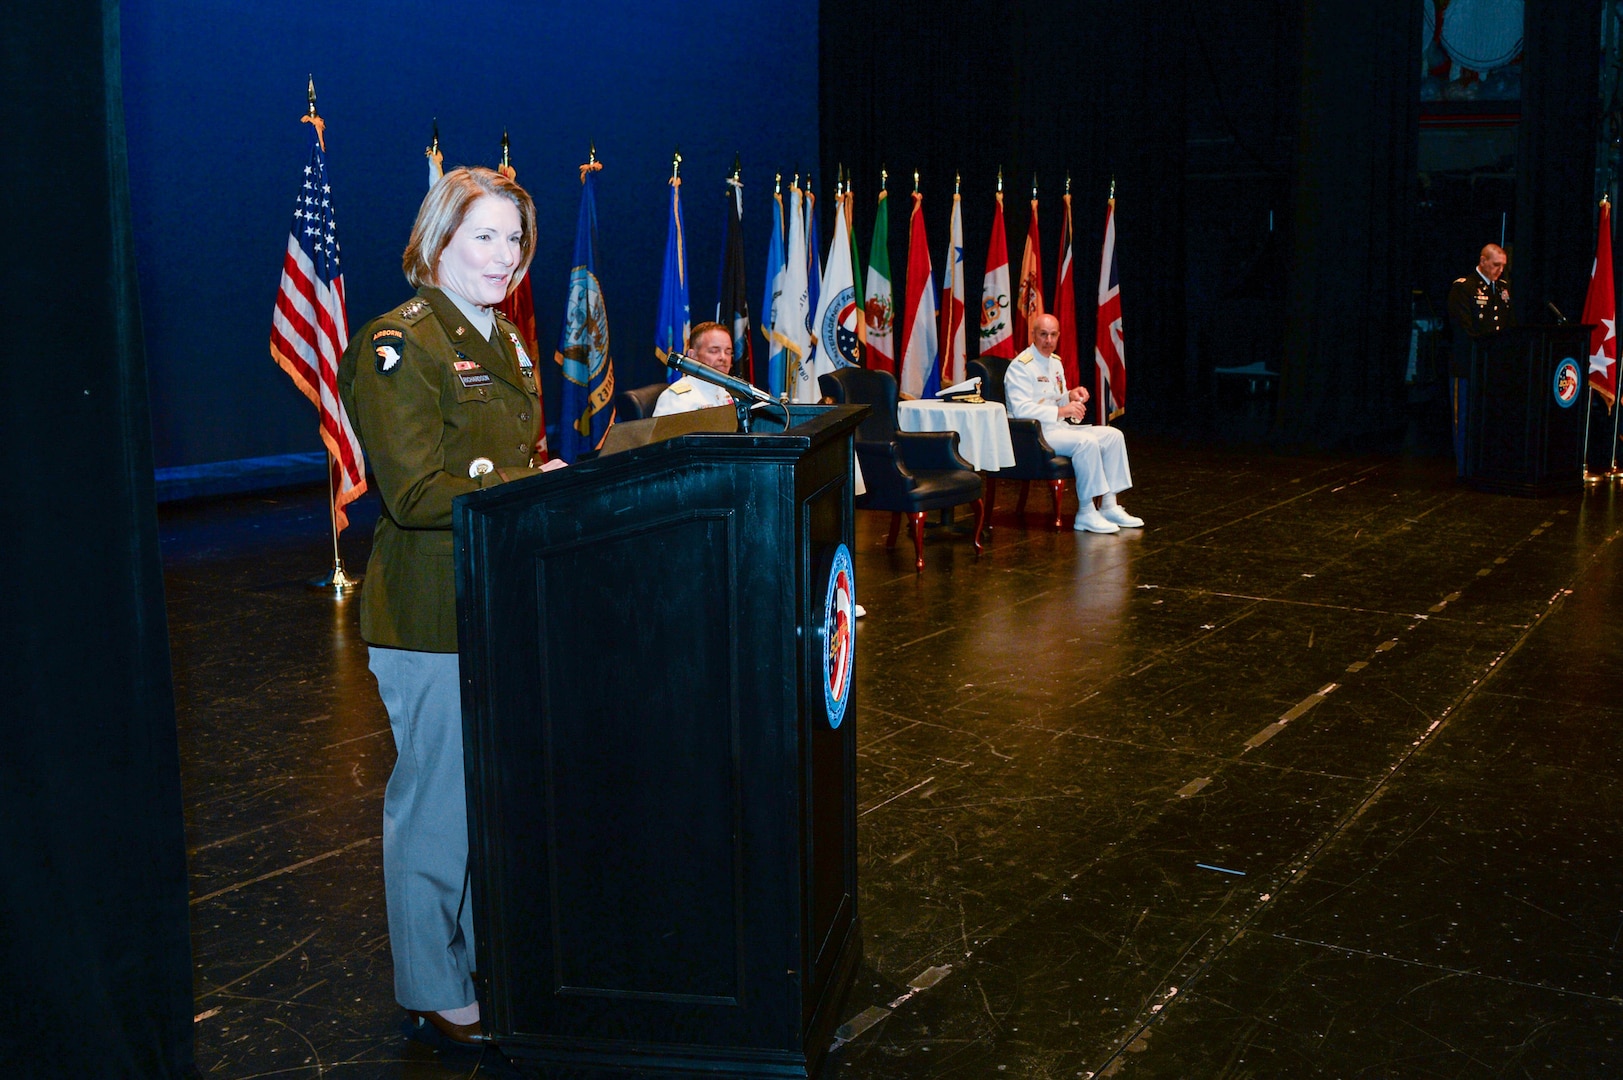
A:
[1566, 382]
[839, 641]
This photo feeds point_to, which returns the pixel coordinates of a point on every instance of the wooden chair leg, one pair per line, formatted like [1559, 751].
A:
[895, 527]
[918, 540]
[1058, 488]
[991, 500]
[980, 521]
[1025, 489]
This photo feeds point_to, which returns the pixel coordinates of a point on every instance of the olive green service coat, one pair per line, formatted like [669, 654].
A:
[427, 396]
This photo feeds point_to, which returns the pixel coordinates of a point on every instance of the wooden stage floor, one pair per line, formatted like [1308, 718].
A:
[1316, 775]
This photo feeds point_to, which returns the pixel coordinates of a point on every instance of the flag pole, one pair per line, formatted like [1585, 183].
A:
[335, 581]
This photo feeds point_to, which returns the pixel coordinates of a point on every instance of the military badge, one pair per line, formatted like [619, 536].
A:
[387, 345]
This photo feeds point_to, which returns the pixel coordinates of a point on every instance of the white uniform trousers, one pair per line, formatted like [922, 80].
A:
[1098, 453]
[425, 830]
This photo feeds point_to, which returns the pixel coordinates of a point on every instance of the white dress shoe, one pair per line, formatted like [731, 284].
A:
[1121, 517]
[1090, 520]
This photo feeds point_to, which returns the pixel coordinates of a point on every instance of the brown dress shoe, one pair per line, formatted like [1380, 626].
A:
[460, 1034]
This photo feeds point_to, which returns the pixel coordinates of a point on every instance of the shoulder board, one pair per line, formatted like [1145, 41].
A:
[1024, 358]
[681, 386]
[1459, 281]
[412, 310]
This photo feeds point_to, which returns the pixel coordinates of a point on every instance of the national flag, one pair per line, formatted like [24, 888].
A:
[671, 332]
[790, 333]
[519, 307]
[1108, 354]
[732, 297]
[879, 311]
[1600, 311]
[856, 262]
[1029, 300]
[1065, 300]
[838, 315]
[814, 264]
[997, 334]
[776, 275]
[587, 409]
[919, 354]
[309, 328]
[953, 356]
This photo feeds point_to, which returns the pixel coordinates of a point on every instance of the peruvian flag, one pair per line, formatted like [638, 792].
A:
[1108, 354]
[1600, 310]
[1029, 304]
[997, 336]
[1065, 301]
[952, 302]
[918, 331]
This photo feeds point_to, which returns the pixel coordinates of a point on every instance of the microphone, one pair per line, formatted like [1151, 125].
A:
[738, 388]
[1560, 318]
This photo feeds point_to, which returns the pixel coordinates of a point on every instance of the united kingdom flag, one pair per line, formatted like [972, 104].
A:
[1108, 354]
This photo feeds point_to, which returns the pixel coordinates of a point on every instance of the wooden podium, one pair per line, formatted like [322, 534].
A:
[661, 812]
[1525, 412]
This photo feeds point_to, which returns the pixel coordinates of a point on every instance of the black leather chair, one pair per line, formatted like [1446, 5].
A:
[905, 472]
[637, 403]
[1034, 459]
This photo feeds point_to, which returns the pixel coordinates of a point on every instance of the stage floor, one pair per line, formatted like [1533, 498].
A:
[1316, 775]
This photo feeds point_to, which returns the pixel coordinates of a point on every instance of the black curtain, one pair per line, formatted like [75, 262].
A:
[1092, 90]
[1554, 239]
[1347, 305]
[93, 901]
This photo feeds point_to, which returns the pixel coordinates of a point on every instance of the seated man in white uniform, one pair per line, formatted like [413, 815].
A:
[1034, 389]
[711, 344]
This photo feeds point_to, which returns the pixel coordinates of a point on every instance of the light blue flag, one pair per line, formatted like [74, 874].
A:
[775, 354]
[587, 410]
[671, 332]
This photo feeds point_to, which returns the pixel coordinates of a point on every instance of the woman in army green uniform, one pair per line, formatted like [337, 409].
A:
[444, 398]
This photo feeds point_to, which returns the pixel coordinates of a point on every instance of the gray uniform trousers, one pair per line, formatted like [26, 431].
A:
[425, 830]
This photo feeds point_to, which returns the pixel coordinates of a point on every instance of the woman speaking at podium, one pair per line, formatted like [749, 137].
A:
[444, 399]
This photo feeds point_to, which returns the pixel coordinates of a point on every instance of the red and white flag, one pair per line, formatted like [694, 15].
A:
[1108, 354]
[1065, 301]
[1600, 310]
[952, 301]
[919, 329]
[997, 333]
[309, 329]
[1029, 303]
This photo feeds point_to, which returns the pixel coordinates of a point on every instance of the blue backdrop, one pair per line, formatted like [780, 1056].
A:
[214, 92]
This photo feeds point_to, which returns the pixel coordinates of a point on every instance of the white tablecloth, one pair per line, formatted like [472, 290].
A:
[983, 428]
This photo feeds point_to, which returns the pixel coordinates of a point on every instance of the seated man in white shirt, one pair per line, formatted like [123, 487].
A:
[1034, 389]
[711, 344]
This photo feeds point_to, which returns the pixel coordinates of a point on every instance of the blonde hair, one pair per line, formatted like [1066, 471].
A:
[441, 214]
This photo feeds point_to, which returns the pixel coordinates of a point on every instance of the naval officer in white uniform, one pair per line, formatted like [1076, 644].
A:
[1034, 389]
[711, 344]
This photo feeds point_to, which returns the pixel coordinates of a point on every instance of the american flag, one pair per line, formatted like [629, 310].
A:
[309, 329]
[1108, 354]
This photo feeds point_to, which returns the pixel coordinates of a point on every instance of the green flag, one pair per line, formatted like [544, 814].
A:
[879, 312]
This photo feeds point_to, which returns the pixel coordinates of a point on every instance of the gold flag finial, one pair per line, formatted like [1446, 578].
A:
[676, 164]
[592, 164]
[915, 181]
[1000, 179]
[1033, 187]
[313, 118]
[777, 183]
[434, 139]
[1112, 189]
[884, 178]
[506, 157]
[737, 167]
[957, 181]
[1067, 182]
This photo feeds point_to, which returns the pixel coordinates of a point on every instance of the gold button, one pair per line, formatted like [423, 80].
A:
[523, 416]
[523, 448]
